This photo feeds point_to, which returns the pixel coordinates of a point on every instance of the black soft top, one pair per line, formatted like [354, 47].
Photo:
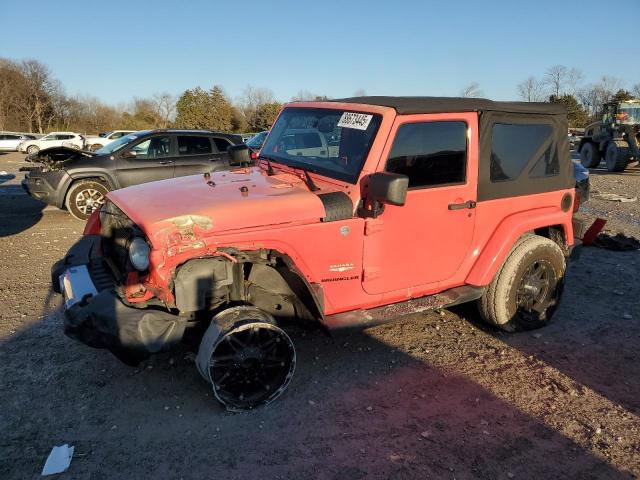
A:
[414, 105]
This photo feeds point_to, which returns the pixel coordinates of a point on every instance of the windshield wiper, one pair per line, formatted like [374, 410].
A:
[309, 181]
[270, 171]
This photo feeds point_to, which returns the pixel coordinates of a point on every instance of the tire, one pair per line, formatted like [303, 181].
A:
[91, 191]
[590, 155]
[246, 358]
[94, 147]
[617, 156]
[31, 149]
[527, 289]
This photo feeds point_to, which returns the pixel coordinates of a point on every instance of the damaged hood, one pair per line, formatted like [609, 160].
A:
[230, 200]
[55, 155]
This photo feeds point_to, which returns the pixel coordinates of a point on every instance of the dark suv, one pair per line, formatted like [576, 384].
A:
[79, 180]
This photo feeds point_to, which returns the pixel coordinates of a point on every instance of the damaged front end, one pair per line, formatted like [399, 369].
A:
[97, 312]
[47, 173]
[111, 303]
[53, 158]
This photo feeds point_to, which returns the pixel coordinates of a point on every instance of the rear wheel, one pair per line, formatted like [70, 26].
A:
[32, 149]
[246, 358]
[590, 155]
[85, 197]
[526, 291]
[617, 156]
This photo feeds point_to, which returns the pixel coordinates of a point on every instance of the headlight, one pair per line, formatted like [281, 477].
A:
[139, 254]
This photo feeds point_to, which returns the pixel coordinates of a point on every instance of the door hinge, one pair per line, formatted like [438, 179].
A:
[373, 225]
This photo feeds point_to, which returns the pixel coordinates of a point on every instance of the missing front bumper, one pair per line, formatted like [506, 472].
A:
[95, 314]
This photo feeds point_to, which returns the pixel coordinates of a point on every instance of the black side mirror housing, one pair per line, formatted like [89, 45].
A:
[130, 154]
[239, 155]
[388, 188]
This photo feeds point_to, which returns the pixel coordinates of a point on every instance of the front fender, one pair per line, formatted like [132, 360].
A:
[508, 232]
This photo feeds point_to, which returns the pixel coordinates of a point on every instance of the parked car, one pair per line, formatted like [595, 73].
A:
[255, 143]
[79, 181]
[422, 203]
[9, 141]
[93, 143]
[53, 139]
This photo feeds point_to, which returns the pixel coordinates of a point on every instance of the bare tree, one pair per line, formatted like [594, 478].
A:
[303, 96]
[635, 90]
[361, 92]
[40, 88]
[531, 90]
[593, 97]
[471, 90]
[574, 79]
[556, 79]
[252, 97]
[165, 106]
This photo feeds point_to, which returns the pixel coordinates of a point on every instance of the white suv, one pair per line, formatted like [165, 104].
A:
[96, 143]
[53, 139]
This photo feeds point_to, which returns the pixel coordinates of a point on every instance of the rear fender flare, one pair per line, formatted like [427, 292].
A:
[508, 232]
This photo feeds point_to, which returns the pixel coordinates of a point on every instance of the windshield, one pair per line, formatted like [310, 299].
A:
[257, 140]
[116, 145]
[330, 142]
[629, 114]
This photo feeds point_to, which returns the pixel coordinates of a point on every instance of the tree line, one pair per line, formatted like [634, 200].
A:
[33, 100]
[584, 101]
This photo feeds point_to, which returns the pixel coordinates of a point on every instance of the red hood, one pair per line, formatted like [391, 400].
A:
[218, 203]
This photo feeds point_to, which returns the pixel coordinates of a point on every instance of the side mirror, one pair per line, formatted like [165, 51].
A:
[388, 188]
[239, 155]
[130, 154]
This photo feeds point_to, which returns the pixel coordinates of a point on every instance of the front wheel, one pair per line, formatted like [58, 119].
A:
[617, 156]
[526, 291]
[84, 198]
[95, 147]
[32, 149]
[590, 155]
[246, 358]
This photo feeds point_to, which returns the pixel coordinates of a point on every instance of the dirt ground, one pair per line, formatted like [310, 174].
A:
[437, 395]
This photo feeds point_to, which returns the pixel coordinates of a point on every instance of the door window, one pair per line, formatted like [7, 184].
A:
[156, 147]
[222, 144]
[430, 153]
[192, 145]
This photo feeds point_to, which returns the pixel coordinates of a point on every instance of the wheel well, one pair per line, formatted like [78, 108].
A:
[555, 233]
[263, 278]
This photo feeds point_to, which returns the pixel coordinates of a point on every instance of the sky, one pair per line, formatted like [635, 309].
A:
[116, 50]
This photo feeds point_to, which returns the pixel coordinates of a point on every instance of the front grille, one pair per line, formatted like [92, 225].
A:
[117, 231]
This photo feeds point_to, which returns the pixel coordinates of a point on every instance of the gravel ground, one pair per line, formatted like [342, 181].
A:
[437, 395]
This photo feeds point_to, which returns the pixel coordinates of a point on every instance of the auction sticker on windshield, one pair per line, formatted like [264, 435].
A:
[355, 120]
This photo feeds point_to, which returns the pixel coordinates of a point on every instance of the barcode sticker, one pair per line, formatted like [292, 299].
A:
[359, 121]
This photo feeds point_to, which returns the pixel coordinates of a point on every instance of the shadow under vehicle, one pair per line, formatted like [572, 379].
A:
[79, 180]
[417, 203]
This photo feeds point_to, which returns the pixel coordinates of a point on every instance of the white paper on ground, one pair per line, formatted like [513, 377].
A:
[59, 460]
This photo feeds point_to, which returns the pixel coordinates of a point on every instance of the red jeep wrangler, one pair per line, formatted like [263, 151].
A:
[359, 211]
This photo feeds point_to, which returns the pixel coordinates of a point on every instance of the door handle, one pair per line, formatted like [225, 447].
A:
[165, 162]
[462, 206]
